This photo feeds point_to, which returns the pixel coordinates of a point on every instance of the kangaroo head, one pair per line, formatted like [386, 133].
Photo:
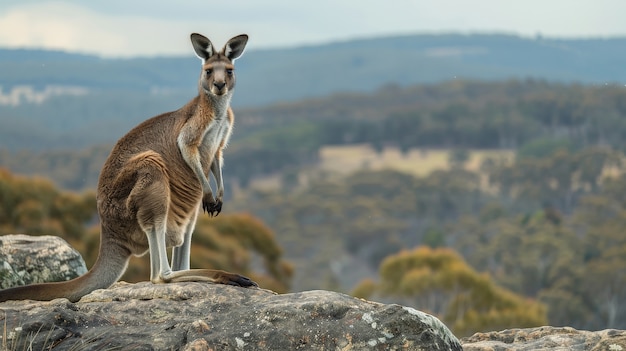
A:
[218, 76]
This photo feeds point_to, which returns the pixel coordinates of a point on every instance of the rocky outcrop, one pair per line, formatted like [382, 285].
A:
[547, 338]
[28, 259]
[197, 316]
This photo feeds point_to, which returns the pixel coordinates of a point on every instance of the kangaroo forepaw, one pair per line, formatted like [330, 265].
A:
[211, 206]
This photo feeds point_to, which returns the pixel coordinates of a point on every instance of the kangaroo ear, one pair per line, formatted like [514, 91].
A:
[235, 46]
[202, 45]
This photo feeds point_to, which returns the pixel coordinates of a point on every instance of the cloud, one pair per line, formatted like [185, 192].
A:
[76, 27]
[71, 27]
[122, 28]
[126, 32]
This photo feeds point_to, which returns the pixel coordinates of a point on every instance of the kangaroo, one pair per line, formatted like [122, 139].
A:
[154, 183]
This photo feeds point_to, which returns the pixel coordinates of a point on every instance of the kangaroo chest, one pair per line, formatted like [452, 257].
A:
[215, 137]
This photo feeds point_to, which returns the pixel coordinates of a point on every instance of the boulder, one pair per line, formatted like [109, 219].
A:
[37, 259]
[547, 338]
[199, 316]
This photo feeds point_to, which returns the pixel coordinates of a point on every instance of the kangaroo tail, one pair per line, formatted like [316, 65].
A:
[109, 267]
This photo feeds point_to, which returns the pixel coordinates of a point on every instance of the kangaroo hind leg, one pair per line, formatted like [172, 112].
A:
[211, 276]
[149, 200]
[181, 255]
[160, 271]
[182, 273]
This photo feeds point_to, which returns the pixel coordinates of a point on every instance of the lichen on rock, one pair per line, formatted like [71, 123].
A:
[37, 259]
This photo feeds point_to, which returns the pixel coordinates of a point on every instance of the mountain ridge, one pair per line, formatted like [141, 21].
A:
[362, 65]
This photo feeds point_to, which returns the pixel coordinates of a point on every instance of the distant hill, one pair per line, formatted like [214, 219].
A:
[268, 76]
[55, 100]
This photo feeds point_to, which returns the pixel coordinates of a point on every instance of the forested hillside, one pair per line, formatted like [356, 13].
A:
[532, 116]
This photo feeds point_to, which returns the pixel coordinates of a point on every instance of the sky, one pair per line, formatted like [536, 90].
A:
[130, 28]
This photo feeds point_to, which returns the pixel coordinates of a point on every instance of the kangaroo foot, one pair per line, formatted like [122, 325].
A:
[235, 280]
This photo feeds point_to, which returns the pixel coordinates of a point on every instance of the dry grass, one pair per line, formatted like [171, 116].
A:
[343, 160]
[419, 162]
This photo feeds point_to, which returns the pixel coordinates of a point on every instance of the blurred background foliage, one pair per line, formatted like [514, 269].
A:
[442, 283]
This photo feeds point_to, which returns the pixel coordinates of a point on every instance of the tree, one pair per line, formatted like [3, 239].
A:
[440, 282]
[34, 206]
[601, 219]
[458, 157]
[558, 180]
[446, 195]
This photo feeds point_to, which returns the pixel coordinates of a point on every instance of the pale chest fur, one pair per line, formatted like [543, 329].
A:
[217, 131]
[215, 137]
[206, 132]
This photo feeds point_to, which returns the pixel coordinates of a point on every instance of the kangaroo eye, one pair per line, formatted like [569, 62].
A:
[208, 71]
[229, 71]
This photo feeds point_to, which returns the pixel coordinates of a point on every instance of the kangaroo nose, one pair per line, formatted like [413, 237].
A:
[219, 85]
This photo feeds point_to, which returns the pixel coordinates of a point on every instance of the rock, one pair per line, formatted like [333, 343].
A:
[547, 338]
[37, 259]
[198, 316]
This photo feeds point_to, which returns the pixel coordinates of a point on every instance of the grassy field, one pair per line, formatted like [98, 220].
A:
[420, 162]
[343, 160]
